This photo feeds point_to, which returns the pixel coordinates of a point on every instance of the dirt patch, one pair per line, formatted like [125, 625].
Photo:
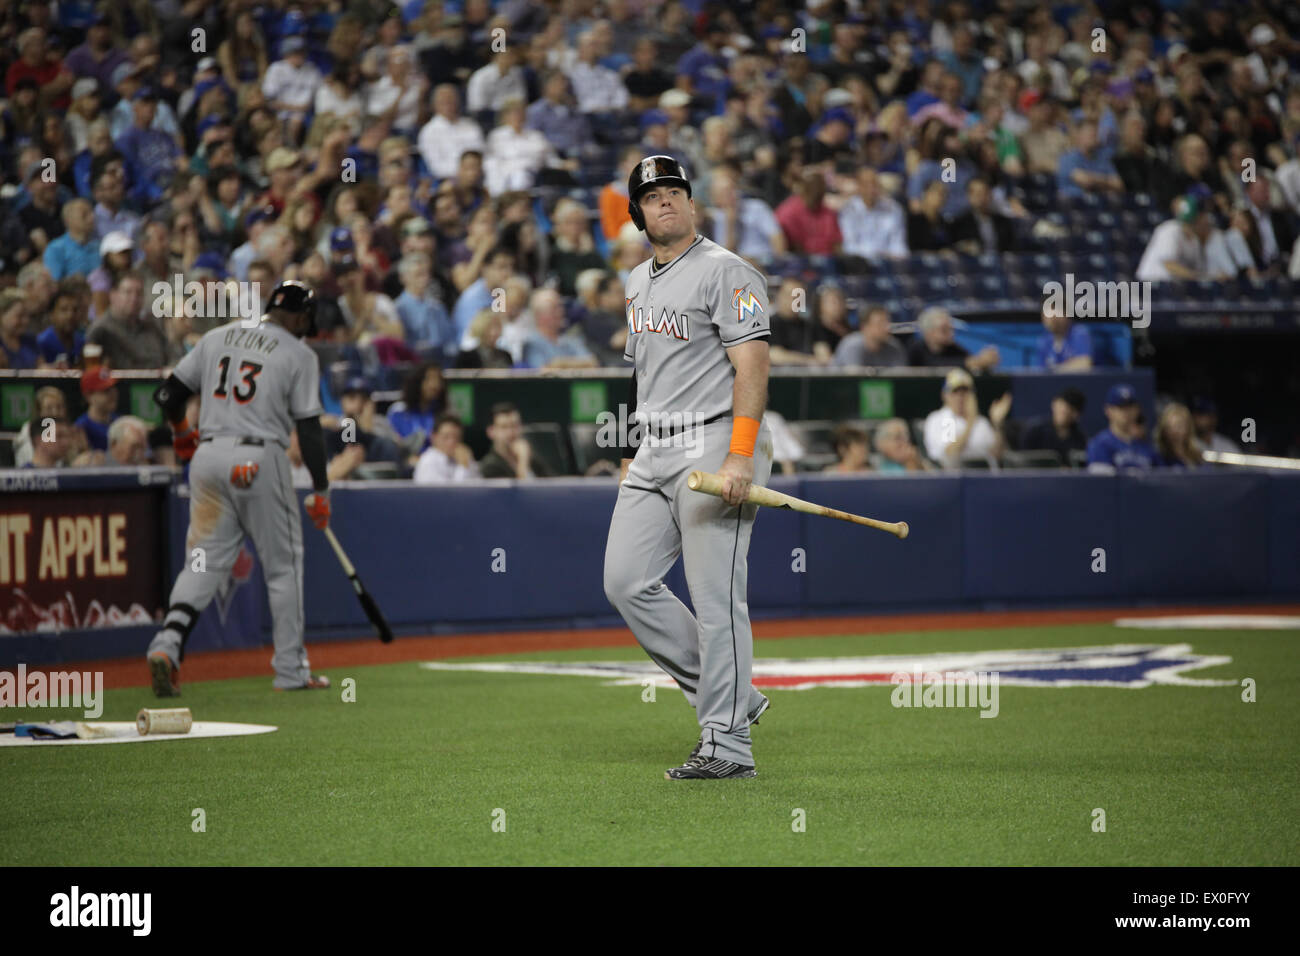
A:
[253, 662]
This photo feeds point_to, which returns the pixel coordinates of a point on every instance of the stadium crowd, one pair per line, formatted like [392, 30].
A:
[451, 179]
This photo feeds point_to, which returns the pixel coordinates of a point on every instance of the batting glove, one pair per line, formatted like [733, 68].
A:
[318, 508]
[185, 439]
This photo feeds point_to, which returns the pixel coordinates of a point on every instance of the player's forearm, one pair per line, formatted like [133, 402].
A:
[311, 442]
[749, 392]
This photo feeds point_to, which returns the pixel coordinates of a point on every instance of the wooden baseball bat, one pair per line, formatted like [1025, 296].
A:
[367, 602]
[711, 484]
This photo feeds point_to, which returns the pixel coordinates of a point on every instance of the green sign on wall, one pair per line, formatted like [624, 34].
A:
[876, 399]
[460, 401]
[586, 401]
[142, 404]
[17, 403]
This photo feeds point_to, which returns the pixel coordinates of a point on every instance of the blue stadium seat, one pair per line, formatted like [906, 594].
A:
[881, 287]
[990, 285]
[932, 262]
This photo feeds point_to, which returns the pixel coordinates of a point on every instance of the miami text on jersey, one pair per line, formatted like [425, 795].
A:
[669, 322]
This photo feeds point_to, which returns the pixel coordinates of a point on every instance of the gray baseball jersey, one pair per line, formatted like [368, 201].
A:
[253, 384]
[681, 319]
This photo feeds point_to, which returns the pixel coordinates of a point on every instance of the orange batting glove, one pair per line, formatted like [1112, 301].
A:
[318, 509]
[185, 439]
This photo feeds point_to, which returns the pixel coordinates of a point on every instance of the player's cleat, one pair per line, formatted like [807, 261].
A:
[314, 682]
[710, 768]
[165, 676]
[758, 712]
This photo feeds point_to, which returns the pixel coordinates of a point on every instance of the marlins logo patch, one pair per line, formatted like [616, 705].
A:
[745, 303]
[1131, 666]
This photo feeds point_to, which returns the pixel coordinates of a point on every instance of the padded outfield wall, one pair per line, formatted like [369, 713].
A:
[507, 555]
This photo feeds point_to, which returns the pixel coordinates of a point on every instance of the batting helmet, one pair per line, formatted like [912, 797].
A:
[294, 296]
[652, 171]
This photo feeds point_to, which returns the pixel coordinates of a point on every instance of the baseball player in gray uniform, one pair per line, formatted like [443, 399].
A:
[697, 319]
[255, 385]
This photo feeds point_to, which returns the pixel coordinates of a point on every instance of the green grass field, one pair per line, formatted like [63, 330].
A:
[412, 772]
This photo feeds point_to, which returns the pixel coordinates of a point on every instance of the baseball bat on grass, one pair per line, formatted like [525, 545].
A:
[710, 484]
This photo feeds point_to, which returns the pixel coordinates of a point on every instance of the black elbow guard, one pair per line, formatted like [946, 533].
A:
[171, 396]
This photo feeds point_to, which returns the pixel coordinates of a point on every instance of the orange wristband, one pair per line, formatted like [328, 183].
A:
[744, 432]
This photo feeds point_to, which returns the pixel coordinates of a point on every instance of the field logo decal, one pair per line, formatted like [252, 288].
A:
[1130, 666]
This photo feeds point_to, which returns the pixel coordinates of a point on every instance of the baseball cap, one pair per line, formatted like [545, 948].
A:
[211, 121]
[210, 262]
[837, 96]
[357, 383]
[205, 64]
[1028, 99]
[260, 214]
[1074, 398]
[281, 158]
[203, 86]
[1121, 395]
[124, 71]
[115, 241]
[671, 98]
[86, 86]
[653, 118]
[341, 239]
[1144, 75]
[98, 379]
[292, 44]
[957, 378]
[416, 226]
[1119, 88]
[145, 92]
[837, 115]
[344, 264]
[1262, 35]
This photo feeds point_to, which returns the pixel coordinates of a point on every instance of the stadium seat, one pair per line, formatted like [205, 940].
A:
[881, 287]
[814, 435]
[551, 444]
[375, 471]
[1041, 458]
[1078, 458]
[586, 450]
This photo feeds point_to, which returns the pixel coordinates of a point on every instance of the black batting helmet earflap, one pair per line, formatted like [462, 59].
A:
[294, 296]
[648, 172]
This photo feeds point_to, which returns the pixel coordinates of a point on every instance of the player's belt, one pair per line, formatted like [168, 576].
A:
[670, 432]
[258, 442]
